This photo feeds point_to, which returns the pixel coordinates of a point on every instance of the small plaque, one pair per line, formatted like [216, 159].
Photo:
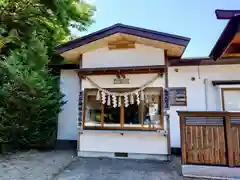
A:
[121, 81]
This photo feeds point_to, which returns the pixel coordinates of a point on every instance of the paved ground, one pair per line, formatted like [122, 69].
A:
[64, 165]
[34, 165]
[118, 169]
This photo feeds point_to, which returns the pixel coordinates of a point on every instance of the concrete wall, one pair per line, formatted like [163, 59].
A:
[140, 56]
[68, 118]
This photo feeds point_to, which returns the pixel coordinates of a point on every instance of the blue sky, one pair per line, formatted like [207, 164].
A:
[190, 18]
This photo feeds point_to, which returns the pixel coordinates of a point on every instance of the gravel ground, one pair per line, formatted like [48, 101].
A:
[34, 165]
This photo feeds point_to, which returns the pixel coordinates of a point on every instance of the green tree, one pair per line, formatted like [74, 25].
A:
[51, 20]
[30, 99]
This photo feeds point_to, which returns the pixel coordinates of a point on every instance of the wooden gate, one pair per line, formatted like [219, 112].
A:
[210, 138]
[235, 126]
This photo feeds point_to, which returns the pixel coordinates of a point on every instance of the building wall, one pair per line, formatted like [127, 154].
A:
[68, 118]
[196, 90]
[136, 142]
[136, 80]
[142, 143]
[141, 55]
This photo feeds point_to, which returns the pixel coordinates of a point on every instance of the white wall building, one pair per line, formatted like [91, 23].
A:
[120, 60]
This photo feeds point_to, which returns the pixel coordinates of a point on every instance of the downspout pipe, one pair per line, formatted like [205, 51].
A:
[206, 93]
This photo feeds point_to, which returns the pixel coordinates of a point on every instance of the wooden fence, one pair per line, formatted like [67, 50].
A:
[210, 138]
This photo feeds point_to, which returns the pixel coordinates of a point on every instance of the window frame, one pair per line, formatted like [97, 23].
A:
[222, 95]
[122, 120]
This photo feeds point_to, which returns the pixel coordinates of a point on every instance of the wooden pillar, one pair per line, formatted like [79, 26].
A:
[141, 112]
[166, 109]
[161, 99]
[81, 104]
[102, 115]
[122, 113]
[183, 138]
[228, 140]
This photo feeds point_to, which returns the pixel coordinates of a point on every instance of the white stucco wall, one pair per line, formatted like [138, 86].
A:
[68, 118]
[141, 55]
[131, 143]
[196, 90]
[142, 143]
[195, 97]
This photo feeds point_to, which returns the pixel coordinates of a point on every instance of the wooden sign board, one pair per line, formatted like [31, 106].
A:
[80, 107]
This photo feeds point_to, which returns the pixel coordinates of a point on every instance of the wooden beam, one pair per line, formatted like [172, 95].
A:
[225, 52]
[203, 113]
[102, 115]
[229, 141]
[84, 109]
[124, 128]
[162, 108]
[141, 111]
[122, 114]
[183, 139]
[80, 61]
[121, 44]
[234, 48]
[222, 98]
[232, 55]
[121, 70]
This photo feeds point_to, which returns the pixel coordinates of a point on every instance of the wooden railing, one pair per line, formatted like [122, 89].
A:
[210, 138]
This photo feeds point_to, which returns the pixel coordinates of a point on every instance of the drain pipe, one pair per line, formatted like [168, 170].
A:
[206, 93]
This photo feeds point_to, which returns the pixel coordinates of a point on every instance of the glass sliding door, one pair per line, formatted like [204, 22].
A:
[111, 116]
